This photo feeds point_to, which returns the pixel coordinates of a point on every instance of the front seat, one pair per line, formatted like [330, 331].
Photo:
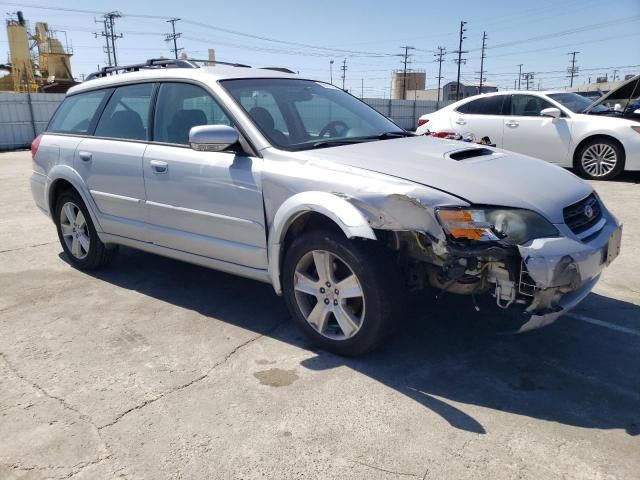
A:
[267, 124]
[123, 124]
[181, 122]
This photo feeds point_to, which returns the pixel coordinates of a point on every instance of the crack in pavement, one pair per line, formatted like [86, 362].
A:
[28, 246]
[403, 474]
[195, 380]
[86, 418]
[75, 469]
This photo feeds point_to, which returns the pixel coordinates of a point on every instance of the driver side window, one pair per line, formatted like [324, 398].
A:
[528, 105]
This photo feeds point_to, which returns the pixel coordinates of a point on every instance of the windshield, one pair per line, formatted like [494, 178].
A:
[576, 103]
[302, 114]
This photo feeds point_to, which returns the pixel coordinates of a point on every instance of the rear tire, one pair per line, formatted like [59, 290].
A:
[78, 235]
[344, 294]
[600, 159]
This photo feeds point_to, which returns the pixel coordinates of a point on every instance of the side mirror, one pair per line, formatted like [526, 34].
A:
[212, 138]
[617, 107]
[637, 112]
[551, 112]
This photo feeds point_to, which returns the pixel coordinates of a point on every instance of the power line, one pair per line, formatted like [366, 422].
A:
[460, 60]
[404, 74]
[528, 76]
[572, 70]
[111, 35]
[173, 37]
[482, 57]
[441, 53]
[519, 74]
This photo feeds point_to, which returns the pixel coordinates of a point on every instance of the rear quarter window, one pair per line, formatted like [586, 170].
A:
[77, 112]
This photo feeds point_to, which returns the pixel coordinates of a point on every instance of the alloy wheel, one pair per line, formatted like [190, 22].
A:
[75, 231]
[329, 295]
[599, 159]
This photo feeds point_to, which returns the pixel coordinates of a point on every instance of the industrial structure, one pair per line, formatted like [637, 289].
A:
[402, 82]
[38, 61]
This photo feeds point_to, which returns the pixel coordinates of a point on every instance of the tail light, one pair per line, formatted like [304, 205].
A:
[34, 146]
[422, 121]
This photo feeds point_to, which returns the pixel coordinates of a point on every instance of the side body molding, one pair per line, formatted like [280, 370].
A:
[65, 172]
[350, 220]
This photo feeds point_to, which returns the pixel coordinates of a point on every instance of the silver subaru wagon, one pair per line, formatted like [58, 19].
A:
[294, 182]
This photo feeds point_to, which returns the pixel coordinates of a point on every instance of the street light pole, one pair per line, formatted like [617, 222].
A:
[331, 72]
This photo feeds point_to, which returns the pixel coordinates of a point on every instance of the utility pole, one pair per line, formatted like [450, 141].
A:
[404, 74]
[460, 60]
[105, 34]
[344, 71]
[362, 88]
[482, 57]
[572, 70]
[440, 55]
[331, 72]
[109, 20]
[528, 76]
[614, 75]
[173, 36]
[519, 74]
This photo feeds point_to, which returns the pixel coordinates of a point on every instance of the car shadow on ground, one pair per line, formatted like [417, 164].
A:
[445, 355]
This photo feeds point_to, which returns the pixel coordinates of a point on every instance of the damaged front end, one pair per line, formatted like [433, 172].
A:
[514, 255]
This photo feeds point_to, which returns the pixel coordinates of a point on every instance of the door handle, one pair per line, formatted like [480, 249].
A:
[85, 156]
[158, 166]
[512, 124]
[461, 122]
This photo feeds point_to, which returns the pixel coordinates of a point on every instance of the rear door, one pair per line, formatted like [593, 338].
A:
[110, 163]
[529, 133]
[481, 117]
[206, 203]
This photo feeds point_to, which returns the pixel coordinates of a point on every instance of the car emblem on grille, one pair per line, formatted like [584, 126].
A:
[588, 211]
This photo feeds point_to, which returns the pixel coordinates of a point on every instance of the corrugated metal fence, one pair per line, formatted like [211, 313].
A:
[403, 112]
[20, 118]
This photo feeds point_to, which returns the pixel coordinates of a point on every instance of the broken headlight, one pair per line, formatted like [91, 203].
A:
[510, 225]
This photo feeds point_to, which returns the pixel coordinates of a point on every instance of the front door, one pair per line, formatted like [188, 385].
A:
[205, 203]
[110, 163]
[529, 133]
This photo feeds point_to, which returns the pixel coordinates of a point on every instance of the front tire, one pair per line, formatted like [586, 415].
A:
[344, 294]
[600, 159]
[78, 235]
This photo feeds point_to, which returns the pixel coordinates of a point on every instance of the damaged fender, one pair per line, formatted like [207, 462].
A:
[350, 220]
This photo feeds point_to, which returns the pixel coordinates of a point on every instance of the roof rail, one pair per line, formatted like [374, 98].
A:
[151, 63]
[171, 63]
[278, 69]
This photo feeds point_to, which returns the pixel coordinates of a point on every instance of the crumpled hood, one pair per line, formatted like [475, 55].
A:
[503, 178]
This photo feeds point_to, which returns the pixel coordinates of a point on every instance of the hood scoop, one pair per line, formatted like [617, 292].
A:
[468, 153]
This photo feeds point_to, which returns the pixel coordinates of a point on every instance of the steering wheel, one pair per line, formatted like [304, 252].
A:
[332, 128]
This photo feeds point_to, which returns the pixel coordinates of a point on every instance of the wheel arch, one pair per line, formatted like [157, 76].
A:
[312, 209]
[592, 137]
[64, 178]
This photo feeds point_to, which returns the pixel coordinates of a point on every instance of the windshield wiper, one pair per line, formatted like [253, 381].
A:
[350, 141]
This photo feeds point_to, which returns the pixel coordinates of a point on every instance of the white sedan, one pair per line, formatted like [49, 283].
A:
[547, 125]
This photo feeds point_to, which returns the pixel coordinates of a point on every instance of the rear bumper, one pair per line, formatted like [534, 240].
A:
[38, 182]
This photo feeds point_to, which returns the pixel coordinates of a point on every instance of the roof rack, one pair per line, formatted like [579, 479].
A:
[154, 63]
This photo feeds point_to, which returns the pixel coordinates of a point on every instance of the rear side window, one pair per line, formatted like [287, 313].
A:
[127, 113]
[484, 106]
[181, 106]
[77, 113]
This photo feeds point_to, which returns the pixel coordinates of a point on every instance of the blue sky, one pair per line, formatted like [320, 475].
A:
[368, 34]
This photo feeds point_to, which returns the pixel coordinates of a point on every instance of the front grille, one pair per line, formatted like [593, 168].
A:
[577, 216]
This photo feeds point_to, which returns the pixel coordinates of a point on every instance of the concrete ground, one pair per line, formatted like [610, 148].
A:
[156, 369]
